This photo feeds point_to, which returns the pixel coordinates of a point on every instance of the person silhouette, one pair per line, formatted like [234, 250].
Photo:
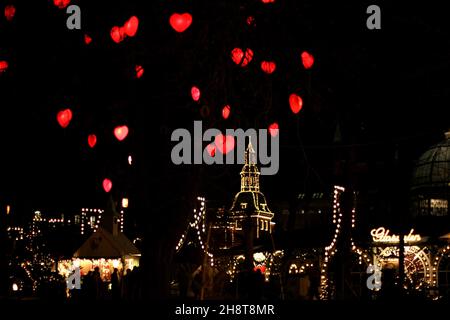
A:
[115, 288]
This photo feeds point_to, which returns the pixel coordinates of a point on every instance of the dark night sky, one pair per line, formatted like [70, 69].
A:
[383, 87]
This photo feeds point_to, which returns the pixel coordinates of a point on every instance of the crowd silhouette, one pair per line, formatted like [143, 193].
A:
[123, 286]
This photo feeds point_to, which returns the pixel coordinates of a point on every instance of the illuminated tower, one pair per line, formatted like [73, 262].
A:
[250, 215]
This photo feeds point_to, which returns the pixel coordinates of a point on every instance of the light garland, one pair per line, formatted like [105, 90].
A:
[199, 227]
[362, 254]
[92, 212]
[15, 232]
[331, 249]
[121, 220]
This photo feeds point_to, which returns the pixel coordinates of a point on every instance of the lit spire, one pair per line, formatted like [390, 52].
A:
[250, 172]
[250, 156]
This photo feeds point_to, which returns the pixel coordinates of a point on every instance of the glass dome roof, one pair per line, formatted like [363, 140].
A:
[433, 167]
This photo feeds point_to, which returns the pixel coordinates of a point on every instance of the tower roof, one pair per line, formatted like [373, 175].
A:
[250, 172]
[250, 198]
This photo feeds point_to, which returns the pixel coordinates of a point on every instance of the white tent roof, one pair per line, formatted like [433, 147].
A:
[102, 244]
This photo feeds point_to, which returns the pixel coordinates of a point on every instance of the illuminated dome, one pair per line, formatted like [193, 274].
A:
[431, 181]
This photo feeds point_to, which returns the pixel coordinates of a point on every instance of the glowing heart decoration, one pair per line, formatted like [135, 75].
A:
[224, 143]
[268, 66]
[139, 71]
[117, 34]
[131, 26]
[211, 149]
[296, 103]
[3, 66]
[10, 12]
[251, 21]
[61, 3]
[273, 129]
[268, 1]
[107, 185]
[92, 140]
[226, 112]
[64, 117]
[261, 268]
[180, 22]
[121, 132]
[307, 60]
[195, 93]
[87, 39]
[240, 58]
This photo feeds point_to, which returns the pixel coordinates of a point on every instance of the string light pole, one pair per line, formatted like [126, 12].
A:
[206, 266]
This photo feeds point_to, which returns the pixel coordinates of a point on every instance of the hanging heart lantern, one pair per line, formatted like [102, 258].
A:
[240, 57]
[307, 60]
[64, 117]
[61, 4]
[180, 22]
[273, 129]
[87, 39]
[131, 26]
[92, 140]
[195, 93]
[296, 103]
[268, 66]
[226, 112]
[10, 12]
[117, 34]
[139, 71]
[107, 185]
[211, 149]
[251, 21]
[3, 66]
[224, 143]
[121, 132]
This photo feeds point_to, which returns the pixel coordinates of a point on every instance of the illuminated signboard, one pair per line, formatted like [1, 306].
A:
[383, 235]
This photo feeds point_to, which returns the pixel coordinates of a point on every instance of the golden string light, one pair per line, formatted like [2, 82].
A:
[198, 224]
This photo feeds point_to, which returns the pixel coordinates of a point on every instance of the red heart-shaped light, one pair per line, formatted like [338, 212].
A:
[240, 58]
[61, 3]
[307, 60]
[180, 22]
[261, 268]
[268, 66]
[139, 71]
[92, 140]
[273, 129]
[131, 26]
[195, 93]
[3, 66]
[64, 117]
[87, 39]
[10, 12]
[226, 112]
[268, 1]
[117, 34]
[251, 21]
[121, 132]
[224, 143]
[296, 103]
[107, 185]
[211, 149]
